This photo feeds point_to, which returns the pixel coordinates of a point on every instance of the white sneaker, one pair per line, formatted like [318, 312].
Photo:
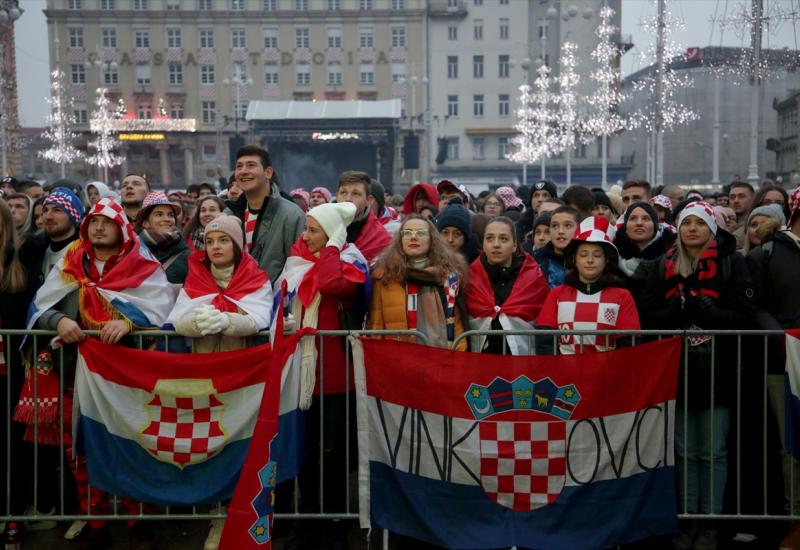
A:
[74, 530]
[41, 524]
[214, 534]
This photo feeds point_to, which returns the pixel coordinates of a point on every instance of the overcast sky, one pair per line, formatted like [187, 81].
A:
[33, 64]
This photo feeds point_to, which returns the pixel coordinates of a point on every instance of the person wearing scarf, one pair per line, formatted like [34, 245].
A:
[702, 283]
[106, 281]
[591, 298]
[506, 291]
[417, 284]
[324, 277]
[158, 228]
[208, 208]
[226, 297]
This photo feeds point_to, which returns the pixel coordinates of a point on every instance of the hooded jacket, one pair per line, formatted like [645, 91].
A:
[430, 192]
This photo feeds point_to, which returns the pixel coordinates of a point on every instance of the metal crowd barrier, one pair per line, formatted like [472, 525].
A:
[747, 344]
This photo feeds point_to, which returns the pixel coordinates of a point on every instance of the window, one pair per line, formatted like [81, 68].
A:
[109, 38]
[334, 75]
[107, 4]
[205, 5]
[503, 2]
[302, 75]
[81, 116]
[503, 63]
[209, 111]
[502, 147]
[140, 4]
[367, 75]
[365, 5]
[452, 32]
[141, 39]
[452, 105]
[176, 110]
[74, 4]
[334, 5]
[477, 105]
[175, 71]
[365, 39]
[207, 74]
[143, 73]
[240, 110]
[452, 66]
[76, 38]
[209, 153]
[452, 148]
[271, 77]
[478, 148]
[452, 3]
[240, 73]
[477, 29]
[502, 104]
[301, 5]
[504, 28]
[334, 37]
[237, 5]
[174, 38]
[238, 39]
[477, 66]
[543, 29]
[398, 72]
[398, 4]
[110, 76]
[271, 38]
[144, 110]
[207, 38]
[78, 72]
[270, 5]
[301, 37]
[477, 2]
[398, 37]
[173, 5]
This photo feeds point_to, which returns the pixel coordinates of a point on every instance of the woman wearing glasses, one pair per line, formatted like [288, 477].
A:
[417, 284]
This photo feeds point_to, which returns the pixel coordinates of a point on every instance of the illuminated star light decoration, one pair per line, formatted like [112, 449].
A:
[673, 112]
[102, 125]
[568, 80]
[605, 119]
[535, 121]
[60, 122]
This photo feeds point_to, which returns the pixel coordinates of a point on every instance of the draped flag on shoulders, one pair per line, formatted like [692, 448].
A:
[792, 391]
[176, 427]
[466, 450]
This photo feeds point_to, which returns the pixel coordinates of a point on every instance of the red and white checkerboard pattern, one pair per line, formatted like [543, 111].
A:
[399, 89]
[399, 54]
[272, 90]
[586, 312]
[238, 55]
[334, 55]
[208, 91]
[523, 464]
[207, 55]
[271, 55]
[366, 55]
[142, 55]
[302, 55]
[184, 430]
[76, 55]
[174, 54]
[112, 210]
[794, 201]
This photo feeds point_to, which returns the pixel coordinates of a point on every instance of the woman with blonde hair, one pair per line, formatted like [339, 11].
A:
[417, 283]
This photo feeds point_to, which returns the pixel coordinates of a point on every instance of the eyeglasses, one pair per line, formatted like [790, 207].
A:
[418, 233]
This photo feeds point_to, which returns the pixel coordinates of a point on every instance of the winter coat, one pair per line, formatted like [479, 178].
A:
[552, 265]
[410, 203]
[33, 253]
[370, 236]
[174, 259]
[280, 223]
[685, 303]
[635, 264]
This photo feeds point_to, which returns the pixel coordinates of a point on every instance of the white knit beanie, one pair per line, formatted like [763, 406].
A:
[702, 210]
[333, 215]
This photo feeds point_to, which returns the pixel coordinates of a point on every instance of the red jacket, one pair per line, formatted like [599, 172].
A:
[430, 192]
[373, 238]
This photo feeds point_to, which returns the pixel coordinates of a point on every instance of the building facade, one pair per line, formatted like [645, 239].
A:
[784, 145]
[481, 52]
[172, 65]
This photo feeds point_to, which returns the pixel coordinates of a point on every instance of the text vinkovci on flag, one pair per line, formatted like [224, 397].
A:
[174, 429]
[467, 450]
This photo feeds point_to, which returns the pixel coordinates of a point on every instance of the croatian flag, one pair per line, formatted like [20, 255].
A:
[178, 426]
[793, 392]
[467, 450]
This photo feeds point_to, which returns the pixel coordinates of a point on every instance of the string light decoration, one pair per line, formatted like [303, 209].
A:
[60, 123]
[535, 121]
[102, 125]
[604, 118]
[122, 110]
[662, 110]
[162, 107]
[567, 101]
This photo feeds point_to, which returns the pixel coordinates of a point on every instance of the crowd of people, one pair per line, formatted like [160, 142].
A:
[206, 262]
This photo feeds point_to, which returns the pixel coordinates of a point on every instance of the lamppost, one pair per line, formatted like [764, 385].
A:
[237, 81]
[9, 13]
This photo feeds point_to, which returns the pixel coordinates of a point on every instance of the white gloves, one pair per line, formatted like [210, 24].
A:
[209, 320]
[339, 238]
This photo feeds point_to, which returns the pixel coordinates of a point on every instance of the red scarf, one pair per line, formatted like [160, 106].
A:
[122, 271]
[309, 285]
[373, 238]
[526, 297]
[247, 279]
[703, 282]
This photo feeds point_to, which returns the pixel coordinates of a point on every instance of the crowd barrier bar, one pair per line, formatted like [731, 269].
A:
[753, 338]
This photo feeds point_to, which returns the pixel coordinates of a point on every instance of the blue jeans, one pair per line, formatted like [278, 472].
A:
[693, 450]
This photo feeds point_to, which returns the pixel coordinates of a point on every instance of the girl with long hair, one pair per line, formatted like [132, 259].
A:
[418, 284]
[208, 208]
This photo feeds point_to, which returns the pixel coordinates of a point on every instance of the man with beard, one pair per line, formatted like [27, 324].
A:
[133, 191]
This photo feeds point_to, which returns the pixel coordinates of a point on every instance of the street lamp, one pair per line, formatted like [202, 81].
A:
[237, 82]
[9, 12]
